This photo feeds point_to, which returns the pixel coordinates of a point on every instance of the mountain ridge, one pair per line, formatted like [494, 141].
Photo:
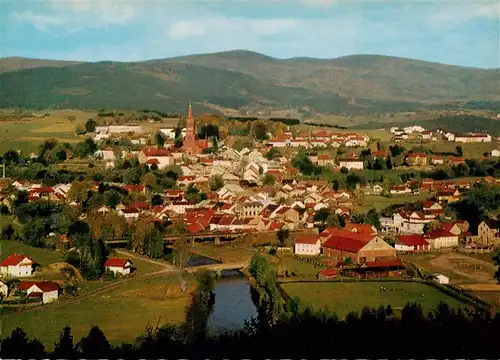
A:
[242, 79]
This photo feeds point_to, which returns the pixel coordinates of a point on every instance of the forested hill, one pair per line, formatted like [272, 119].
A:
[242, 79]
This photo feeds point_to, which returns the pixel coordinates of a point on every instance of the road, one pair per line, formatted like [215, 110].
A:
[156, 262]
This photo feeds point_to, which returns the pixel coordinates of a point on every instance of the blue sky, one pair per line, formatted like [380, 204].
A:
[453, 32]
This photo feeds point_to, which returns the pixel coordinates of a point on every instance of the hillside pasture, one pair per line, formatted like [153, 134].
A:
[43, 257]
[122, 313]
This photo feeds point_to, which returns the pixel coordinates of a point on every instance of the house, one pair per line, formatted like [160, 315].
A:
[437, 160]
[472, 137]
[495, 153]
[441, 238]
[4, 289]
[377, 189]
[452, 227]
[488, 232]
[48, 291]
[400, 189]
[456, 160]
[432, 209]
[105, 155]
[327, 274]
[351, 164]
[118, 266]
[365, 229]
[447, 195]
[159, 156]
[250, 208]
[325, 160]
[360, 248]
[441, 279]
[426, 135]
[308, 245]
[410, 222]
[413, 242]
[17, 265]
[416, 159]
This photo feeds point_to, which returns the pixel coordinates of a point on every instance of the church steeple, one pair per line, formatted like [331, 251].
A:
[190, 111]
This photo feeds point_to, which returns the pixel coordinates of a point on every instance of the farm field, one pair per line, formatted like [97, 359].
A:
[27, 133]
[345, 297]
[122, 313]
[380, 202]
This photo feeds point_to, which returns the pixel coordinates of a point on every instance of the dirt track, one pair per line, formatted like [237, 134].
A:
[465, 268]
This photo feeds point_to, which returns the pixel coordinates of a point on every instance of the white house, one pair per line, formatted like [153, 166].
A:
[308, 245]
[441, 279]
[118, 266]
[495, 153]
[129, 213]
[169, 133]
[441, 238]
[17, 265]
[413, 242]
[472, 137]
[410, 223]
[48, 291]
[159, 156]
[105, 154]
[351, 164]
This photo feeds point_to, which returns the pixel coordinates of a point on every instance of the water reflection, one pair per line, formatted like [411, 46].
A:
[233, 303]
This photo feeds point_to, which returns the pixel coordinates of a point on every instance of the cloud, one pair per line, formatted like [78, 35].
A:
[75, 15]
[39, 21]
[230, 27]
[456, 13]
[185, 28]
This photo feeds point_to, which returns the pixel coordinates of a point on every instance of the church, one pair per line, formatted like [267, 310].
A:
[192, 145]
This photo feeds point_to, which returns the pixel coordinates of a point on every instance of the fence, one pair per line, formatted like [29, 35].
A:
[21, 303]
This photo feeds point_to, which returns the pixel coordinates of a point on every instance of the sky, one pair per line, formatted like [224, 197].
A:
[453, 32]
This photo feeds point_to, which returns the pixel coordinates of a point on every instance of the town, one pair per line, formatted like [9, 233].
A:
[320, 203]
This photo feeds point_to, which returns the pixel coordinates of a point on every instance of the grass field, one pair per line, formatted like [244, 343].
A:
[381, 202]
[42, 256]
[229, 252]
[27, 133]
[301, 268]
[122, 313]
[343, 298]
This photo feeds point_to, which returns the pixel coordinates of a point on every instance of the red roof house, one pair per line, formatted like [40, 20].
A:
[17, 265]
[118, 266]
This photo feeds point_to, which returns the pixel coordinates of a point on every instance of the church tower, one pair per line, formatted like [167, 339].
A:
[191, 145]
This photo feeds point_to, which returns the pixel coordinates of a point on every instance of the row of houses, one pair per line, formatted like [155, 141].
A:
[319, 139]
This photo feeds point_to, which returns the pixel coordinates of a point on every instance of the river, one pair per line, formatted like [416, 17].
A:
[233, 300]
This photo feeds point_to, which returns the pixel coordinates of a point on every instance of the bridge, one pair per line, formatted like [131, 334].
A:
[219, 267]
[214, 236]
